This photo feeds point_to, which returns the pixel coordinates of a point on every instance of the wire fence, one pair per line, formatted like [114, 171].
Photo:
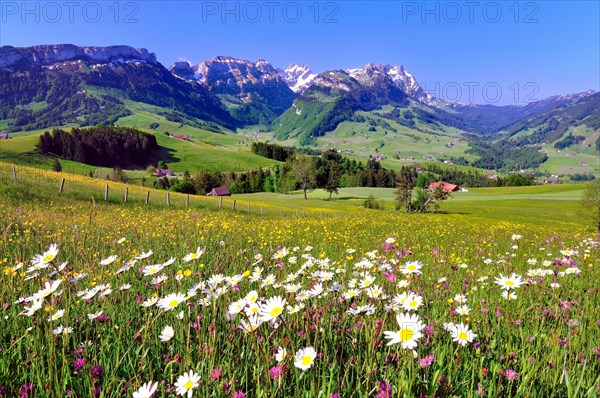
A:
[50, 183]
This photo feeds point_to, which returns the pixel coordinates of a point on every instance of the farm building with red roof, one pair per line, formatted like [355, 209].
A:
[447, 187]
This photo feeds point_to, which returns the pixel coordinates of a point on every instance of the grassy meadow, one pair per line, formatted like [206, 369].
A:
[206, 151]
[497, 296]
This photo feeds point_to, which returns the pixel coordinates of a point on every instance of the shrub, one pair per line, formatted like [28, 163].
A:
[372, 203]
[184, 187]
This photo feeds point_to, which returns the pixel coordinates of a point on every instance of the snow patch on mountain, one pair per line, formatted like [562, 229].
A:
[298, 77]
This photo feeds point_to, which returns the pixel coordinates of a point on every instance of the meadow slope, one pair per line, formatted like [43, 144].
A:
[498, 296]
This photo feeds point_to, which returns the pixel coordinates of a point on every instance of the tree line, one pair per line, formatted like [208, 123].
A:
[103, 146]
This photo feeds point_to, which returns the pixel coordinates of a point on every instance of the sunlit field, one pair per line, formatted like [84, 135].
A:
[123, 300]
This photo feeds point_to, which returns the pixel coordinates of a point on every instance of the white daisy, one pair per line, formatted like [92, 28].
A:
[186, 383]
[305, 358]
[193, 256]
[167, 334]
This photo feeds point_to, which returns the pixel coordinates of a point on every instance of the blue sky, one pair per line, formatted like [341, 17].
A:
[472, 51]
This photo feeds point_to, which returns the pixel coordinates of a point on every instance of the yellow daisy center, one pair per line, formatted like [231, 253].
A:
[48, 257]
[413, 303]
[306, 360]
[188, 385]
[411, 267]
[462, 335]
[194, 255]
[509, 283]
[406, 334]
[173, 303]
[275, 312]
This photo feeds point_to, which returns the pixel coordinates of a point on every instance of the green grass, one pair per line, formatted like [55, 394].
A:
[580, 158]
[207, 151]
[547, 335]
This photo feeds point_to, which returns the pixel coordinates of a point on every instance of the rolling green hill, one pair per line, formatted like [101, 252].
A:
[206, 150]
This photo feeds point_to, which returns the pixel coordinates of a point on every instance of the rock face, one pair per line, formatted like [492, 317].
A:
[183, 70]
[256, 84]
[400, 77]
[336, 81]
[57, 73]
[239, 77]
[39, 56]
[298, 77]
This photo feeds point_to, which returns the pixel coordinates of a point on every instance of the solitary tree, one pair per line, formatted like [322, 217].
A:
[118, 175]
[57, 166]
[589, 207]
[333, 180]
[405, 185]
[303, 169]
[430, 200]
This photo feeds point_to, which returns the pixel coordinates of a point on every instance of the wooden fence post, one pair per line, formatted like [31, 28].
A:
[147, 197]
[233, 207]
[15, 174]
[168, 199]
[261, 210]
[187, 201]
[248, 207]
[296, 212]
[126, 194]
[62, 185]
[220, 203]
[106, 193]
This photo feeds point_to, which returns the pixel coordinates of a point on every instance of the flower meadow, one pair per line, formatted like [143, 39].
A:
[115, 301]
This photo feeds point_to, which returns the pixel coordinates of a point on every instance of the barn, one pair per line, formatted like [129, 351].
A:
[219, 191]
[447, 187]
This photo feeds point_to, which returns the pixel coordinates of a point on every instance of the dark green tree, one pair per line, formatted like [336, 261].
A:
[303, 169]
[57, 166]
[589, 207]
[405, 185]
[334, 179]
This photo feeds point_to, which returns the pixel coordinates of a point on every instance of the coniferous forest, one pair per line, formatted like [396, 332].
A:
[103, 146]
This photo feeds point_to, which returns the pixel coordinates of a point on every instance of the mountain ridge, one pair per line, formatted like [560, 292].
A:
[49, 85]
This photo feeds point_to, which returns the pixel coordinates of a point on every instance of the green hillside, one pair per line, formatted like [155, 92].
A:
[206, 150]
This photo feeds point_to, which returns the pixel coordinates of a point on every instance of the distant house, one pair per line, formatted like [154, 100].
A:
[220, 191]
[491, 176]
[4, 136]
[164, 172]
[447, 187]
[184, 137]
[551, 181]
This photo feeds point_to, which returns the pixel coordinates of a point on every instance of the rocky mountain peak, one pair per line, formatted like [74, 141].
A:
[400, 77]
[297, 76]
[40, 56]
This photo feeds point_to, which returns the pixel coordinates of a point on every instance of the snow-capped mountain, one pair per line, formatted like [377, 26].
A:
[87, 85]
[298, 77]
[227, 75]
[255, 86]
[401, 78]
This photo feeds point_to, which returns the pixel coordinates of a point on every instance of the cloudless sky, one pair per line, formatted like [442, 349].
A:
[499, 52]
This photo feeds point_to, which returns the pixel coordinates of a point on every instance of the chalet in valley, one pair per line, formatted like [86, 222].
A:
[447, 187]
[219, 191]
[163, 172]
[184, 137]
